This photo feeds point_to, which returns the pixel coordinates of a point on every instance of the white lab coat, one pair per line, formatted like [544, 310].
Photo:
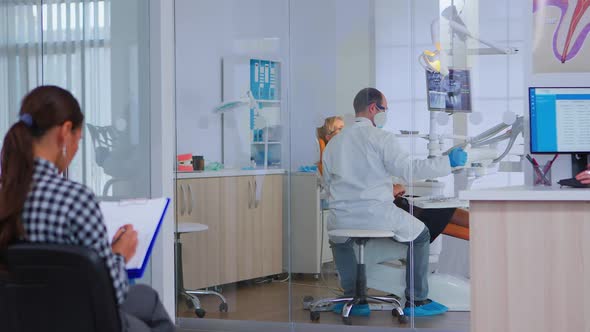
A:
[359, 164]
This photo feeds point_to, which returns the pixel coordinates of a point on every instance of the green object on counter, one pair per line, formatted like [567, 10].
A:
[214, 166]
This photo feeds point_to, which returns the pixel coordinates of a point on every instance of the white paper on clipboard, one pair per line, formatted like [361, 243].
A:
[143, 214]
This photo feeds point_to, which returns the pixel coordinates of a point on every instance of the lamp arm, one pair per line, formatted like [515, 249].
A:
[492, 140]
[489, 133]
[458, 28]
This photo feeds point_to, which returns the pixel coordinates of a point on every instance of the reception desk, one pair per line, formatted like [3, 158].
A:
[530, 259]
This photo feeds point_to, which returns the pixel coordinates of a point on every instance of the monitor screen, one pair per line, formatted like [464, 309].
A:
[560, 120]
[450, 93]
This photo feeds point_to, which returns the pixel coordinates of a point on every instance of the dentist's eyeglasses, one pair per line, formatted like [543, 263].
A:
[381, 107]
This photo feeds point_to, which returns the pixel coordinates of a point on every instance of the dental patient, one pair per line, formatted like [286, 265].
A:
[359, 164]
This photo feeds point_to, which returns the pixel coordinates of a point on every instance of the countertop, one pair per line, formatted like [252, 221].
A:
[526, 193]
[228, 172]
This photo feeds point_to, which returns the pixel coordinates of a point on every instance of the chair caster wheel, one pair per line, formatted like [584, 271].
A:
[314, 316]
[200, 312]
[223, 307]
[347, 320]
[308, 298]
[403, 319]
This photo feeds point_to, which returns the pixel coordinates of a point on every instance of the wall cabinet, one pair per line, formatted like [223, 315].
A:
[244, 239]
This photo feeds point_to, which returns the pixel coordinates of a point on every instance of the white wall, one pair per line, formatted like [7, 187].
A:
[206, 31]
[332, 58]
[329, 48]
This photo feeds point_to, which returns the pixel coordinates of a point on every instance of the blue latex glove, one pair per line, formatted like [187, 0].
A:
[457, 157]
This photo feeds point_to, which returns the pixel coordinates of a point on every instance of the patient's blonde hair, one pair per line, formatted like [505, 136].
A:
[328, 128]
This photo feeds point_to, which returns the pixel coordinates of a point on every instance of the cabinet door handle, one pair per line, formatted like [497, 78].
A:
[190, 199]
[181, 200]
[249, 193]
[256, 201]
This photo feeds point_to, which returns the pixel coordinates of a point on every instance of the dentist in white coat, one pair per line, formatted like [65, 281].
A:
[358, 167]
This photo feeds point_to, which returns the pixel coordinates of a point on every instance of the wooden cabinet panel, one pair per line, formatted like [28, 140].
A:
[244, 239]
[271, 255]
[202, 248]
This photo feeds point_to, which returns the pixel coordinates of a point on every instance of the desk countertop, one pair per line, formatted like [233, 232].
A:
[228, 172]
[526, 193]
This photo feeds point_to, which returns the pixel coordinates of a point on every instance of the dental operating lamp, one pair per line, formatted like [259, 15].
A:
[431, 60]
[257, 120]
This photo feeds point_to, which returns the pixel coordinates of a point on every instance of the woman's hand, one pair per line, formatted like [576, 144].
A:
[398, 190]
[125, 242]
[584, 176]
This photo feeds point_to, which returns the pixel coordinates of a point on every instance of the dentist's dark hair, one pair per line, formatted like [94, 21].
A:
[366, 97]
[45, 107]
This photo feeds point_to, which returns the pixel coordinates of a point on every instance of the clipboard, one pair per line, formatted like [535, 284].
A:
[146, 216]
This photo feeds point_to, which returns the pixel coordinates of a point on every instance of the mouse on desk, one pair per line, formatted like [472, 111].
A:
[572, 182]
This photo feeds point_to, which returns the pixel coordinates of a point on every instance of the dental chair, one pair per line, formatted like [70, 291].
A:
[386, 272]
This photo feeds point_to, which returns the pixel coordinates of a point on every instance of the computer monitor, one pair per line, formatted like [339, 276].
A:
[559, 120]
[450, 93]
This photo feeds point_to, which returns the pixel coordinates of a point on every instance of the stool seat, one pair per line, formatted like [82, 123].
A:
[361, 233]
[191, 227]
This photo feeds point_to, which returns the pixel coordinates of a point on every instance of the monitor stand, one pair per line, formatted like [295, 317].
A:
[579, 163]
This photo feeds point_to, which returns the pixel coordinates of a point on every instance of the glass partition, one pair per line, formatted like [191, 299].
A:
[232, 157]
[98, 50]
[448, 76]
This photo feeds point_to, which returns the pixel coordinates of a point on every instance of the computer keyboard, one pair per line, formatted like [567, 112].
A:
[572, 182]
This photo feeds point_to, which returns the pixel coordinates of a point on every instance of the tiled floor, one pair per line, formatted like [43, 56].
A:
[270, 302]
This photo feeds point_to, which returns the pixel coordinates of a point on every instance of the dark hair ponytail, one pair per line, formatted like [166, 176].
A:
[42, 109]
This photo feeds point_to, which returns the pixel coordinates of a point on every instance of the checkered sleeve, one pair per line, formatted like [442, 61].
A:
[90, 231]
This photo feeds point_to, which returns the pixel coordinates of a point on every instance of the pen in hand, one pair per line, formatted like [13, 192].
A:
[125, 242]
[119, 234]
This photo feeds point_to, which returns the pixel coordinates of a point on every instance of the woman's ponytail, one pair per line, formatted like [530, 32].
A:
[16, 175]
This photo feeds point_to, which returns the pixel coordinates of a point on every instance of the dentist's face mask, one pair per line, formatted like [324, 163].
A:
[380, 118]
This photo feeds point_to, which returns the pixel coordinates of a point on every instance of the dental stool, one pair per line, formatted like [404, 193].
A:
[386, 273]
[191, 295]
[360, 237]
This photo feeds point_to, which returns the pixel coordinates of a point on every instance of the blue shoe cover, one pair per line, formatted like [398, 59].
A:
[430, 309]
[357, 310]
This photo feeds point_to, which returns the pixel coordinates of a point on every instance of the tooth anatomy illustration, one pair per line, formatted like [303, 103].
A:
[572, 29]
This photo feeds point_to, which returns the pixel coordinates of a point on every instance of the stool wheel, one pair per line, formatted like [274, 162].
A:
[223, 307]
[403, 319]
[314, 316]
[347, 320]
[200, 312]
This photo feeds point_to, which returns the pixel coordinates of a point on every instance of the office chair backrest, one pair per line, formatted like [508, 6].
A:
[56, 288]
[102, 141]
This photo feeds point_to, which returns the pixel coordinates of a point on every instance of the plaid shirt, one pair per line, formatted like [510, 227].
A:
[58, 210]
